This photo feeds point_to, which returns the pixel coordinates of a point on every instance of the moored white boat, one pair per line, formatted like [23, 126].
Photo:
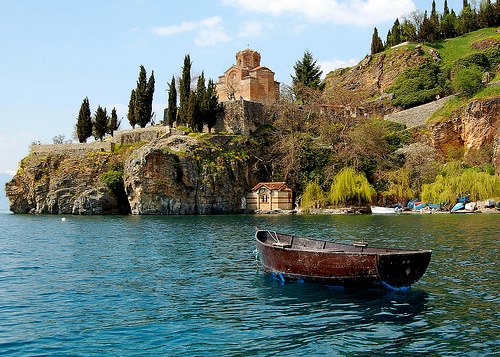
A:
[385, 210]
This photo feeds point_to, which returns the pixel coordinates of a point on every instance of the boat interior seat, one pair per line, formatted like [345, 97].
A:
[281, 245]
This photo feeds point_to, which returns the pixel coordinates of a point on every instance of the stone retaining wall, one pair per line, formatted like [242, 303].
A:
[418, 115]
[73, 149]
[241, 117]
[139, 135]
[120, 137]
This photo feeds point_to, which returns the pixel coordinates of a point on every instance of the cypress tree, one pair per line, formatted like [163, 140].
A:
[191, 111]
[449, 25]
[150, 89]
[185, 90]
[212, 105]
[141, 107]
[84, 122]
[100, 123]
[486, 15]
[466, 21]
[434, 23]
[446, 10]
[172, 103]
[377, 45]
[131, 110]
[200, 108]
[114, 123]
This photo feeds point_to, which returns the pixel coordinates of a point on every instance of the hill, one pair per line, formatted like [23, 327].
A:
[373, 80]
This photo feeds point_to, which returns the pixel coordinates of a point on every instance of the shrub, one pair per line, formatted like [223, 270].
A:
[419, 85]
[113, 178]
[468, 80]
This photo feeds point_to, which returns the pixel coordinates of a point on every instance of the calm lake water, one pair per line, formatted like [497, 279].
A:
[189, 286]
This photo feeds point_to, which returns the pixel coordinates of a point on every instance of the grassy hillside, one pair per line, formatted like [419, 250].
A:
[454, 49]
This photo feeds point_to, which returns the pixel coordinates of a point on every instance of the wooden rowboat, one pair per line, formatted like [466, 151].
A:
[351, 265]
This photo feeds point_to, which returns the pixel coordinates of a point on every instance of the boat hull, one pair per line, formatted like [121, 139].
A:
[325, 262]
[384, 210]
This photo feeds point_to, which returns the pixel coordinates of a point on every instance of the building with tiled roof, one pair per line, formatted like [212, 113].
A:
[268, 196]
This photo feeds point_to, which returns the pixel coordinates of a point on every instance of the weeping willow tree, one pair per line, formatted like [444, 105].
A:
[349, 186]
[456, 181]
[399, 187]
[313, 196]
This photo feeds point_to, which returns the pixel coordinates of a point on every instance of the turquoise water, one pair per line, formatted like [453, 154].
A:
[189, 286]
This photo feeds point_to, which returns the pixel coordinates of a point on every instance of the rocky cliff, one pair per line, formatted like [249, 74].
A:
[475, 131]
[174, 175]
[375, 73]
[181, 175]
[62, 183]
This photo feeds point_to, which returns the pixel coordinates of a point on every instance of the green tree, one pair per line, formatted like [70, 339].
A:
[466, 21]
[456, 181]
[468, 80]
[446, 10]
[114, 123]
[184, 90]
[192, 108]
[143, 103]
[100, 123]
[313, 196]
[84, 122]
[377, 45]
[349, 186]
[212, 105]
[408, 31]
[449, 25]
[486, 15]
[150, 90]
[429, 30]
[200, 107]
[307, 76]
[394, 37]
[131, 110]
[399, 185]
[172, 103]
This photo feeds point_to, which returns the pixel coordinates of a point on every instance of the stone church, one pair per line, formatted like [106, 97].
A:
[248, 80]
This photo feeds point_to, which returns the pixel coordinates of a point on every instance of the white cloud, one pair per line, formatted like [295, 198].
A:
[328, 66]
[253, 29]
[207, 32]
[355, 12]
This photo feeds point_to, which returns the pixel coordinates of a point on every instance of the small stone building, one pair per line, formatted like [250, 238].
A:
[268, 196]
[248, 80]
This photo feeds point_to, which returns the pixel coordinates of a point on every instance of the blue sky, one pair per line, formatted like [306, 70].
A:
[56, 52]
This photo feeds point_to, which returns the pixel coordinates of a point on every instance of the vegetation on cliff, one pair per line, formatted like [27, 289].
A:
[309, 143]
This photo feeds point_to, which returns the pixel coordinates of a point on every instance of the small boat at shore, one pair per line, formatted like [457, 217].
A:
[385, 210]
[350, 265]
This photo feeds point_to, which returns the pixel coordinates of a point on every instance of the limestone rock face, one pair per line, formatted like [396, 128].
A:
[61, 184]
[181, 175]
[476, 130]
[481, 124]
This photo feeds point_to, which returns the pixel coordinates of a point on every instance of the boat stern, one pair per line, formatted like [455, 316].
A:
[404, 269]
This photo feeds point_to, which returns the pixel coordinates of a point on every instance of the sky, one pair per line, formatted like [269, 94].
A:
[54, 53]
